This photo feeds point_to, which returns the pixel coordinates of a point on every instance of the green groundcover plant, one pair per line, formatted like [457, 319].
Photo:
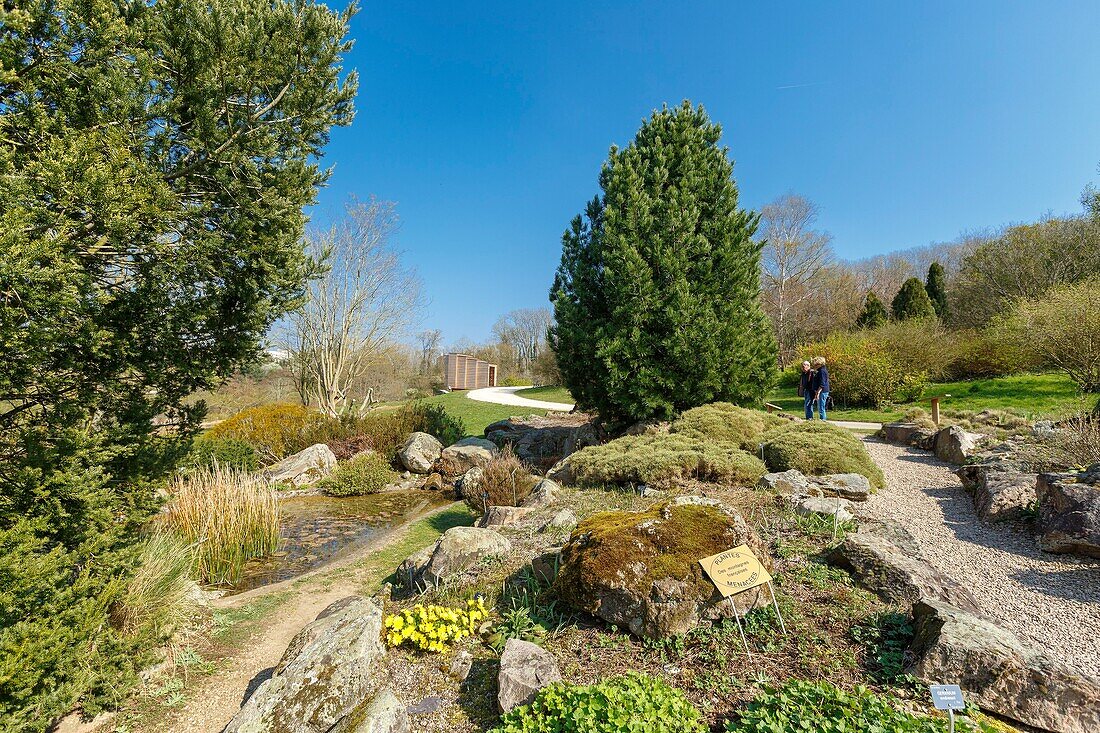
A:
[632, 703]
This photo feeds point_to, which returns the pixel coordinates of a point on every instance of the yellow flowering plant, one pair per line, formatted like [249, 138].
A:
[435, 628]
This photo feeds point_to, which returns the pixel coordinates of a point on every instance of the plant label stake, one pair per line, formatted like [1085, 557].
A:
[735, 571]
[836, 514]
[949, 698]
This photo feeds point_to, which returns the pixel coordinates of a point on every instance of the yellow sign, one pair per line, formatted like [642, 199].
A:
[734, 571]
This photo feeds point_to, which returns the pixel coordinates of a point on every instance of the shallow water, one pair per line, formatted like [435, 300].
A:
[316, 530]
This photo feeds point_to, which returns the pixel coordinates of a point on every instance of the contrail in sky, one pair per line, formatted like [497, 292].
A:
[799, 86]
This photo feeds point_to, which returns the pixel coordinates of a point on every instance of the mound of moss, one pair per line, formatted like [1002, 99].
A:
[640, 570]
[662, 459]
[817, 449]
[726, 423]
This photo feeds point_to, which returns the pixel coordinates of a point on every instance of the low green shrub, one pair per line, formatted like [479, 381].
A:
[631, 702]
[207, 450]
[663, 458]
[504, 481]
[817, 448]
[516, 382]
[727, 423]
[987, 353]
[800, 706]
[365, 473]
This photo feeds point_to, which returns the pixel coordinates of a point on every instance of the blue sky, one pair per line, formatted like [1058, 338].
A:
[907, 123]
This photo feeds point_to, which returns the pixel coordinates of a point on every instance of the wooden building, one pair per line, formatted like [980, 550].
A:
[462, 371]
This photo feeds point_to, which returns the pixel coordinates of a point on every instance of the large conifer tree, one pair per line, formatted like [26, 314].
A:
[936, 287]
[874, 313]
[656, 300]
[912, 301]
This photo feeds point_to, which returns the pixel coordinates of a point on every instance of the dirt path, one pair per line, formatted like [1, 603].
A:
[1051, 600]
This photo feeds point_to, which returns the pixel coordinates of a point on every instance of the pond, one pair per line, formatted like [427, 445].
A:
[315, 530]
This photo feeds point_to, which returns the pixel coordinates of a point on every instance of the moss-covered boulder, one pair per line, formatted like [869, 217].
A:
[819, 449]
[640, 570]
[662, 459]
[726, 423]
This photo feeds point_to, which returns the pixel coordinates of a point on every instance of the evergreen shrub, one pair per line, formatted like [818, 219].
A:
[365, 473]
[726, 423]
[817, 448]
[662, 459]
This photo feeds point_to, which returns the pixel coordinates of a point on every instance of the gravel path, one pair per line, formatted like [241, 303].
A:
[1051, 600]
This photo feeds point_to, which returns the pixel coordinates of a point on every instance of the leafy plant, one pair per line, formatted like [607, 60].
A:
[365, 473]
[516, 623]
[434, 628]
[626, 704]
[886, 637]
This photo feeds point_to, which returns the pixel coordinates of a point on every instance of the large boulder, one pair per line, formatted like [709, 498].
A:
[641, 571]
[470, 452]
[819, 505]
[543, 495]
[543, 441]
[456, 551]
[851, 486]
[894, 573]
[908, 434]
[525, 668]
[420, 452]
[467, 484]
[788, 482]
[326, 672]
[383, 713]
[955, 445]
[999, 672]
[502, 516]
[304, 467]
[999, 495]
[561, 472]
[1069, 511]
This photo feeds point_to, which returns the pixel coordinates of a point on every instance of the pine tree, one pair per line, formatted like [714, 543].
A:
[656, 300]
[874, 313]
[912, 301]
[936, 287]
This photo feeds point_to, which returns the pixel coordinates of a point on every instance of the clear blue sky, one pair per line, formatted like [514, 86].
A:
[907, 123]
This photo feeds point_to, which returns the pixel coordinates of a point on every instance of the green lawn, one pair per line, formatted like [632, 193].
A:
[477, 415]
[1033, 395]
[547, 394]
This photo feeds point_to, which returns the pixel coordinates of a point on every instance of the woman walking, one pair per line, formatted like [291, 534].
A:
[820, 387]
[806, 389]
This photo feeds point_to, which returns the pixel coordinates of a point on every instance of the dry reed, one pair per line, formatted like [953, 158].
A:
[158, 597]
[229, 516]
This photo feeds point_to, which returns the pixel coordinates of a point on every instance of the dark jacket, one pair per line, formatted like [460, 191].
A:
[821, 380]
[806, 383]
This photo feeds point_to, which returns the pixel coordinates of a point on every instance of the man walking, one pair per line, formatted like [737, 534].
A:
[820, 387]
[806, 389]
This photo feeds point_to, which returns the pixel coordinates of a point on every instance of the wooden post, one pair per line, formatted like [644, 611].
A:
[936, 411]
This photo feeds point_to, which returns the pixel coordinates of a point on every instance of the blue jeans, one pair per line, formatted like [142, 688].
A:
[809, 398]
[824, 398]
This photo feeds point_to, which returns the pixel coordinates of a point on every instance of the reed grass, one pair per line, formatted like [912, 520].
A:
[229, 516]
[158, 598]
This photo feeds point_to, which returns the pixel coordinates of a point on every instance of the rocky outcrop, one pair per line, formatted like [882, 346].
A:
[788, 482]
[563, 520]
[544, 494]
[895, 573]
[525, 668]
[1069, 512]
[955, 445]
[999, 672]
[820, 505]
[900, 433]
[543, 441]
[850, 486]
[561, 472]
[640, 570]
[468, 453]
[999, 494]
[420, 452]
[327, 671]
[456, 551]
[501, 516]
[304, 467]
[383, 713]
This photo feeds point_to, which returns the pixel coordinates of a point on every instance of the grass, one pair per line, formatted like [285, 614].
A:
[547, 394]
[1034, 395]
[476, 416]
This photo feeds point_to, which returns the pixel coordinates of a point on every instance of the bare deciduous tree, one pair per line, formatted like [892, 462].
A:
[524, 330]
[794, 256]
[362, 304]
[429, 348]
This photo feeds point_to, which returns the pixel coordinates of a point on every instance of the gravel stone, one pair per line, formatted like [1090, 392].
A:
[1051, 600]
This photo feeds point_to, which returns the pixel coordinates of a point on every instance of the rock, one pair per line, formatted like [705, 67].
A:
[525, 668]
[851, 486]
[544, 494]
[461, 666]
[457, 550]
[955, 445]
[640, 570]
[326, 671]
[894, 575]
[908, 434]
[648, 492]
[545, 566]
[434, 482]
[564, 519]
[788, 482]
[543, 441]
[383, 713]
[467, 485]
[304, 467]
[999, 672]
[561, 472]
[998, 495]
[470, 452]
[430, 704]
[807, 505]
[420, 452]
[500, 516]
[1069, 512]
